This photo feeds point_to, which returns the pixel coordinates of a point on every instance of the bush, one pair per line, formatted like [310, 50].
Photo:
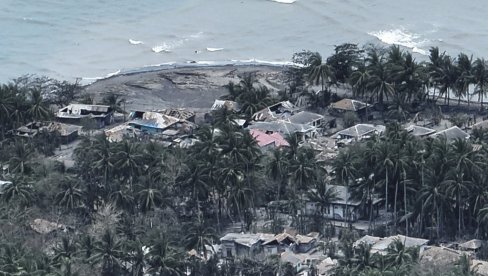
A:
[350, 119]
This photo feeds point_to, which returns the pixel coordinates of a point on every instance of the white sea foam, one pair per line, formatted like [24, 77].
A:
[135, 42]
[162, 48]
[214, 49]
[401, 37]
[285, 1]
[171, 45]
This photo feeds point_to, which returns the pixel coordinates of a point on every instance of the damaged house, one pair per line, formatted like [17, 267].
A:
[281, 110]
[74, 113]
[67, 133]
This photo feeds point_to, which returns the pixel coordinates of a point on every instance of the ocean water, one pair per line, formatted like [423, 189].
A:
[90, 39]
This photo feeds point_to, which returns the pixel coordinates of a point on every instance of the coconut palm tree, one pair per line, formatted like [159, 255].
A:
[70, 195]
[480, 79]
[163, 258]
[149, 195]
[108, 252]
[21, 157]
[466, 78]
[319, 72]
[277, 168]
[128, 160]
[433, 66]
[398, 254]
[38, 109]
[447, 77]
[115, 101]
[199, 237]
[18, 189]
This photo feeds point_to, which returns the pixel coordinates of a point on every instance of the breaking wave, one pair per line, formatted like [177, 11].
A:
[135, 42]
[214, 49]
[285, 1]
[401, 37]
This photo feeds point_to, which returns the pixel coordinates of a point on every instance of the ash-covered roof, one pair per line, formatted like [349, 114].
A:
[349, 105]
[451, 134]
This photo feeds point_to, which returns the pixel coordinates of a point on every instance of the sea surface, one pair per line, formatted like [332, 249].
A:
[91, 39]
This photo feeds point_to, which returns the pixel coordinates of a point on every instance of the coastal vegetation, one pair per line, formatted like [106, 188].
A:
[138, 208]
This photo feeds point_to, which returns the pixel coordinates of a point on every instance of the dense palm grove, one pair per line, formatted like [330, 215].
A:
[136, 208]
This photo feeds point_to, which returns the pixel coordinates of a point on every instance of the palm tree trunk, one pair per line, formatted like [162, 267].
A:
[386, 192]
[405, 202]
[395, 205]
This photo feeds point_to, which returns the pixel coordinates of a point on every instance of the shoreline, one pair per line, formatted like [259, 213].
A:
[187, 65]
[190, 86]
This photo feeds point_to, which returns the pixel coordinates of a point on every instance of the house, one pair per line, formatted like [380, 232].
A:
[301, 261]
[286, 128]
[338, 209]
[451, 134]
[268, 141]
[348, 105]
[381, 245]
[360, 131]
[278, 243]
[179, 113]
[240, 244]
[68, 133]
[229, 105]
[312, 119]
[472, 245]
[281, 110]
[303, 244]
[74, 113]
[480, 125]
[155, 122]
[419, 131]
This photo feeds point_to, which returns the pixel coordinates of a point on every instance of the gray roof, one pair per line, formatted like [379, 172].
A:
[282, 127]
[349, 105]
[479, 125]
[383, 243]
[246, 239]
[361, 130]
[451, 134]
[419, 131]
[305, 117]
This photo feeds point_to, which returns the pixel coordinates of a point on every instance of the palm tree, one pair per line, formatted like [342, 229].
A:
[128, 160]
[163, 258]
[18, 190]
[138, 258]
[66, 249]
[379, 82]
[465, 66]
[71, 195]
[447, 77]
[102, 150]
[323, 195]
[108, 252]
[7, 104]
[434, 65]
[398, 254]
[115, 102]
[359, 81]
[319, 72]
[38, 108]
[199, 237]
[149, 195]
[480, 78]
[345, 169]
[21, 157]
[277, 167]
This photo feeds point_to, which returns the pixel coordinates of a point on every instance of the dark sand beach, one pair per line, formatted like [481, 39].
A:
[194, 88]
